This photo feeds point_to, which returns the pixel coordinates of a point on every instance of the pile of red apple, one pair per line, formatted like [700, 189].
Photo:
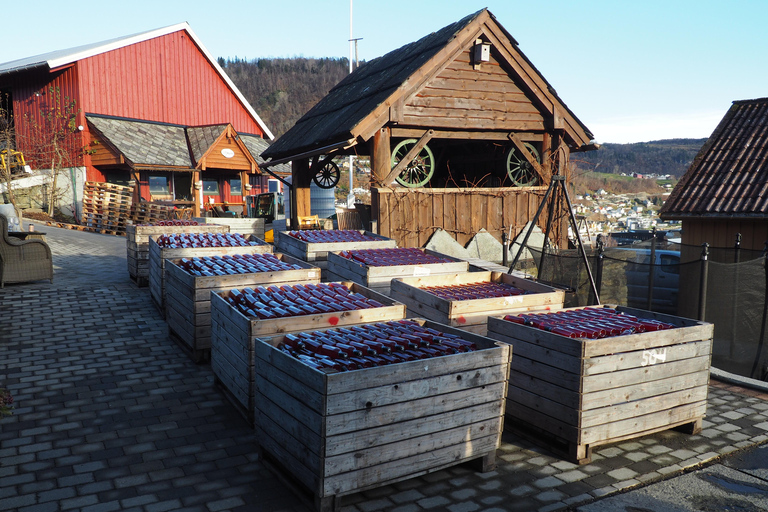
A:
[591, 323]
[297, 300]
[197, 240]
[234, 264]
[393, 256]
[474, 291]
[332, 236]
[368, 345]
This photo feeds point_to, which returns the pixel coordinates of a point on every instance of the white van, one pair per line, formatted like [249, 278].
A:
[666, 280]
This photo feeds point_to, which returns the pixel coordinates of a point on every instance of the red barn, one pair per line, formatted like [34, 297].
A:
[164, 76]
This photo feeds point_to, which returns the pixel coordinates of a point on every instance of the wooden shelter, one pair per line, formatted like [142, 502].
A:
[462, 130]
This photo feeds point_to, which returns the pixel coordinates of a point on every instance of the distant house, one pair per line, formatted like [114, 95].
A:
[142, 101]
[725, 190]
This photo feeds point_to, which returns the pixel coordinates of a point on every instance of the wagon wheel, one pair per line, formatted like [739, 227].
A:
[421, 168]
[519, 169]
[328, 176]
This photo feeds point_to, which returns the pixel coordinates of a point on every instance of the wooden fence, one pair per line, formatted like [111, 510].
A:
[411, 216]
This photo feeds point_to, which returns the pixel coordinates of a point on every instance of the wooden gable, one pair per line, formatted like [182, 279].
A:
[228, 152]
[102, 152]
[463, 97]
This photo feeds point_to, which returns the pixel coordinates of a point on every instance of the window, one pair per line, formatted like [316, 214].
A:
[158, 186]
[211, 187]
[670, 263]
[235, 187]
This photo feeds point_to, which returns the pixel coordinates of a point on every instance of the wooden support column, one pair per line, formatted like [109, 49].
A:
[196, 194]
[546, 157]
[381, 165]
[300, 195]
[381, 157]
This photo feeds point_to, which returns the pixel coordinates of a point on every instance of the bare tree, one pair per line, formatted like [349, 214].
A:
[53, 141]
[7, 146]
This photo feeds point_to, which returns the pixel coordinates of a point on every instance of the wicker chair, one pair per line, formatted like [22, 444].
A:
[23, 260]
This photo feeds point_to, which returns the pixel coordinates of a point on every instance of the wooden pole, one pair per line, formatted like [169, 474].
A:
[381, 157]
[300, 194]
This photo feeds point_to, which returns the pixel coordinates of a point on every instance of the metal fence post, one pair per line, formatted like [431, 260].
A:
[652, 270]
[703, 280]
[505, 249]
[600, 261]
[737, 247]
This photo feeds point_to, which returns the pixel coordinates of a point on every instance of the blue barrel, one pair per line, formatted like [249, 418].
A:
[322, 201]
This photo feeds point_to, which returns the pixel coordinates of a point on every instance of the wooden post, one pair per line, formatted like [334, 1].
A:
[381, 157]
[196, 194]
[300, 195]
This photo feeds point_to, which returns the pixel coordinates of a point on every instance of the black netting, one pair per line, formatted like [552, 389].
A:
[735, 300]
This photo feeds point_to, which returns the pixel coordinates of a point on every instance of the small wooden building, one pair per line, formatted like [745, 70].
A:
[198, 167]
[462, 130]
[724, 190]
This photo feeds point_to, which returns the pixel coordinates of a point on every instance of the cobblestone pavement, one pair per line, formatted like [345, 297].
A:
[112, 415]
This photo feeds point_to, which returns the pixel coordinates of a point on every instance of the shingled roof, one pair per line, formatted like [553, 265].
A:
[153, 144]
[729, 176]
[358, 104]
[145, 143]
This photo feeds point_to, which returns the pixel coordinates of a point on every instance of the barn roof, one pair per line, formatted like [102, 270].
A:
[360, 103]
[58, 58]
[729, 176]
[154, 144]
[145, 142]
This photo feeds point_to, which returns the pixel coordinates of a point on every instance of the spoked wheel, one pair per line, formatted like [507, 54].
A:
[328, 176]
[519, 169]
[421, 168]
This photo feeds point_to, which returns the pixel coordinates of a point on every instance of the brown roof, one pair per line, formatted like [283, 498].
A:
[359, 104]
[729, 176]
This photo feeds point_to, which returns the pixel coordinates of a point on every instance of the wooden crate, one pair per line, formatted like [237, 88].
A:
[159, 255]
[472, 315]
[233, 336]
[137, 245]
[245, 226]
[576, 394]
[188, 298]
[317, 253]
[379, 278]
[342, 433]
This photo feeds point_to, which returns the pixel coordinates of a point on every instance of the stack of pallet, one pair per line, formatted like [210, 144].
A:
[106, 207]
[149, 213]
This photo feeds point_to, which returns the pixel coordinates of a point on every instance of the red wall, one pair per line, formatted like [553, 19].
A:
[164, 79]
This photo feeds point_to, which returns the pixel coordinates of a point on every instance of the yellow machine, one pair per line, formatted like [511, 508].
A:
[11, 159]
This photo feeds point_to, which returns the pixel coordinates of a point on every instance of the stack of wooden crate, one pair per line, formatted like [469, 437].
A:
[106, 207]
[317, 253]
[233, 337]
[149, 213]
[137, 245]
[188, 298]
[472, 315]
[346, 432]
[379, 278]
[159, 255]
[576, 393]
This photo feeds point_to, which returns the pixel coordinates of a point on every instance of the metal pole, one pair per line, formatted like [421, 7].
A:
[600, 262]
[652, 270]
[533, 225]
[505, 249]
[703, 280]
[737, 247]
[553, 207]
[581, 243]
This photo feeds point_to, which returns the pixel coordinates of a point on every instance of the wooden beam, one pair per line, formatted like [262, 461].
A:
[408, 158]
[381, 157]
[412, 133]
[300, 195]
[517, 141]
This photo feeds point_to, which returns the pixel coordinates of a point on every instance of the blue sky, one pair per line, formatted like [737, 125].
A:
[631, 71]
